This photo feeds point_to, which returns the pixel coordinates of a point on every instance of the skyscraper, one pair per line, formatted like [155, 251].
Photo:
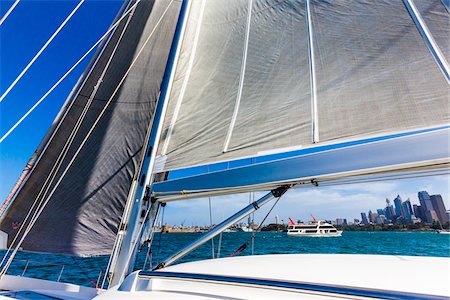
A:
[439, 207]
[418, 212]
[389, 211]
[407, 210]
[427, 206]
[425, 200]
[398, 206]
[364, 218]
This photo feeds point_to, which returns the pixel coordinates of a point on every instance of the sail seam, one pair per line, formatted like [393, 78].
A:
[428, 38]
[186, 79]
[312, 76]
[241, 79]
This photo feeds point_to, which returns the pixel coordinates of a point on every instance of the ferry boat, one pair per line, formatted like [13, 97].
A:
[313, 229]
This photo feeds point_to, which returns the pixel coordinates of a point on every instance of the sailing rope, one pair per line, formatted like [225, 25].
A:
[55, 168]
[40, 51]
[8, 12]
[244, 246]
[159, 239]
[39, 211]
[67, 73]
[84, 273]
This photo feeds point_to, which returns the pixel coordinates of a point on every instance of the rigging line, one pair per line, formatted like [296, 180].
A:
[211, 223]
[241, 79]
[185, 80]
[159, 237]
[67, 73]
[90, 131]
[66, 147]
[9, 11]
[34, 160]
[40, 51]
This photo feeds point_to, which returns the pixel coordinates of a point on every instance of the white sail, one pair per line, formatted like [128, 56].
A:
[242, 85]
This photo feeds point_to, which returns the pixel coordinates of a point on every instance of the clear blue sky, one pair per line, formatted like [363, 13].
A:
[24, 33]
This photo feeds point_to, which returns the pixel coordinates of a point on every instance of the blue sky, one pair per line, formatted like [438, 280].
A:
[28, 28]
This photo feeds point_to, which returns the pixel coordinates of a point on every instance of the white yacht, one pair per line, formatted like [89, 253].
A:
[274, 95]
[313, 229]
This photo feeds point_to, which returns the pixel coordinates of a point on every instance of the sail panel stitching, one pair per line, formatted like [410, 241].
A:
[185, 80]
[312, 75]
[428, 38]
[241, 80]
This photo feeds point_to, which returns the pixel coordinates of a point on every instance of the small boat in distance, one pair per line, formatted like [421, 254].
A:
[313, 229]
[442, 230]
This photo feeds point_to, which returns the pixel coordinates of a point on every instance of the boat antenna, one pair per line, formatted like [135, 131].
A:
[315, 220]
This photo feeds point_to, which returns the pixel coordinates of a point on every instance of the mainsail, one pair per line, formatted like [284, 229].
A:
[84, 211]
[243, 87]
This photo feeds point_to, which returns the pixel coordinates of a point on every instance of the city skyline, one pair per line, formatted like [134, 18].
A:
[431, 208]
[325, 203]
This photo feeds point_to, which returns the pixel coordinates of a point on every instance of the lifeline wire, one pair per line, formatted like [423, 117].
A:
[40, 51]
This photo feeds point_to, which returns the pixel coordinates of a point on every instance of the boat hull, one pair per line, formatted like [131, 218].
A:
[330, 234]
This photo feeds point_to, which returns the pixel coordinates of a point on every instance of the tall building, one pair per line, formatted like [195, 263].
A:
[425, 201]
[427, 206]
[341, 222]
[398, 206]
[431, 215]
[390, 212]
[364, 218]
[381, 212]
[418, 212]
[407, 210]
[439, 207]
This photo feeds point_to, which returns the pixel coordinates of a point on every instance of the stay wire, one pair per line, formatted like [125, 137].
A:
[67, 73]
[160, 237]
[40, 51]
[87, 135]
[5, 16]
[244, 246]
[55, 168]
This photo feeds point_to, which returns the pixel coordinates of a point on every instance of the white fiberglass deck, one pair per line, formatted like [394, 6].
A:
[400, 274]
[404, 274]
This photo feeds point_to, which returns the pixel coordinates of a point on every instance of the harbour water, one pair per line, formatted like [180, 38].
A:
[86, 271]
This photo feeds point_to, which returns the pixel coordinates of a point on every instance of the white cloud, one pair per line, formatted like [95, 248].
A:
[323, 202]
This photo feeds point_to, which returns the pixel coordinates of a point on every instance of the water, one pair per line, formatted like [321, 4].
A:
[85, 271]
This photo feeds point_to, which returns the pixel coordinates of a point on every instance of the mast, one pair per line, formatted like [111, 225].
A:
[130, 228]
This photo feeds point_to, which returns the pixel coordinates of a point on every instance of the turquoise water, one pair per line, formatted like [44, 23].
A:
[85, 271]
